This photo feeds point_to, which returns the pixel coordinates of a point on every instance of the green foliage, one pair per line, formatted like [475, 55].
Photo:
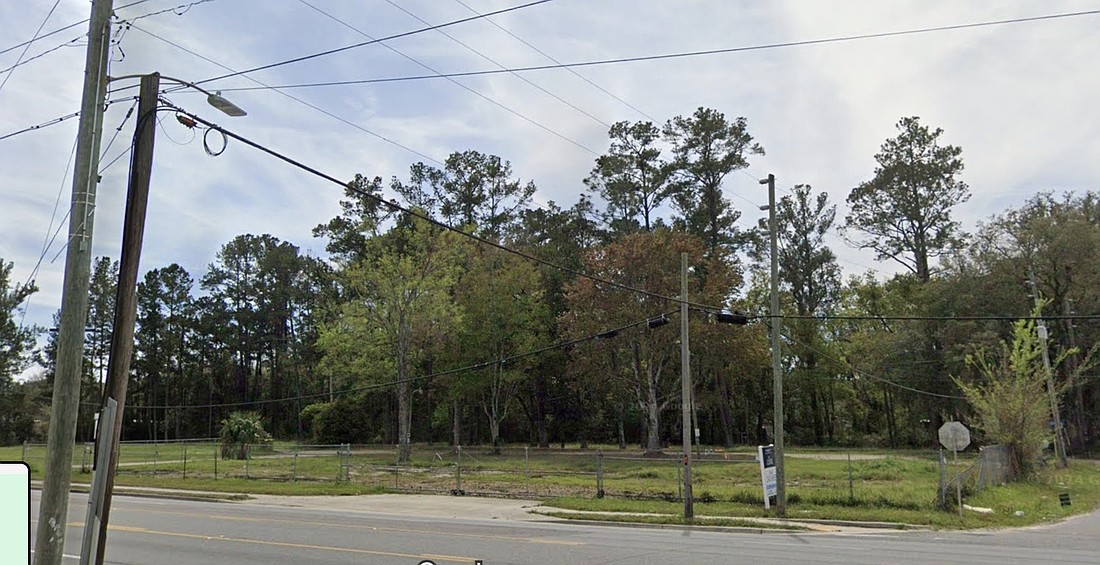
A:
[905, 210]
[1009, 398]
[240, 432]
[344, 420]
[16, 341]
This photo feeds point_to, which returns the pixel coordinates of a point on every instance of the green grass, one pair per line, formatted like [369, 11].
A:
[884, 487]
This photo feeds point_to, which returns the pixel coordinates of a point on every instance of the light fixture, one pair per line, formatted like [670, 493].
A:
[221, 103]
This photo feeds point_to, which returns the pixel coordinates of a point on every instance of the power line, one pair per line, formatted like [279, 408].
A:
[288, 95]
[463, 86]
[41, 125]
[392, 204]
[666, 56]
[11, 70]
[1001, 318]
[21, 61]
[449, 372]
[499, 65]
[264, 86]
[373, 41]
[571, 71]
[59, 30]
[865, 374]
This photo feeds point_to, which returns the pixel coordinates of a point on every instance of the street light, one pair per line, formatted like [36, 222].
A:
[215, 99]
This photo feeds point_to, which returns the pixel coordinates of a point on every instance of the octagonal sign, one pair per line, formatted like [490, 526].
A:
[954, 436]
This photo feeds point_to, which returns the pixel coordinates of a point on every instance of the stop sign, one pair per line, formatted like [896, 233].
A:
[954, 436]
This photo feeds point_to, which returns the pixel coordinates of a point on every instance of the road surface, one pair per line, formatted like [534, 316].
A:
[170, 532]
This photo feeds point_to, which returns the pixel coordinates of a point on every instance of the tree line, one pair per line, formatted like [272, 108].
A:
[545, 324]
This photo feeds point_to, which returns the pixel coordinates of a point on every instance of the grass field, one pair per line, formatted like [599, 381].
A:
[885, 486]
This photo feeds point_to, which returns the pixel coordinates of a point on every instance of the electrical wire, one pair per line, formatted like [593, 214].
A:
[11, 70]
[291, 97]
[59, 30]
[41, 125]
[468, 88]
[371, 42]
[388, 384]
[498, 64]
[70, 43]
[392, 204]
[571, 71]
[680, 55]
[865, 374]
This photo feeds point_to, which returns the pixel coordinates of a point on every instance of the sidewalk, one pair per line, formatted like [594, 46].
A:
[482, 508]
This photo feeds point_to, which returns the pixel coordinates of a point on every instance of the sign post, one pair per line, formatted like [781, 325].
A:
[955, 436]
[766, 455]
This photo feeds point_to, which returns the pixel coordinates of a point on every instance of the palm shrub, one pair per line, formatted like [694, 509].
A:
[239, 432]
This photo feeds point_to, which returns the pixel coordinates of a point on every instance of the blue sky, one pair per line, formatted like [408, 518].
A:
[1019, 99]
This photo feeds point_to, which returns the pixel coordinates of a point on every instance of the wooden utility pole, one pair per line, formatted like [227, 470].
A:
[1055, 413]
[122, 340]
[777, 368]
[53, 513]
[685, 387]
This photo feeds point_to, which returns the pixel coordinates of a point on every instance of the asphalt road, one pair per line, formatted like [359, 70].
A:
[157, 531]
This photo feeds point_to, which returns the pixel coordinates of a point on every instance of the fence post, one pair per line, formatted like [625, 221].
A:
[215, 462]
[185, 461]
[294, 469]
[680, 481]
[156, 452]
[851, 490]
[23, 456]
[397, 469]
[599, 473]
[943, 482]
[527, 469]
[246, 458]
[84, 459]
[458, 472]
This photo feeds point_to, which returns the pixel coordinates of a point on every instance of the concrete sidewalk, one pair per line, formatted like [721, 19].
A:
[477, 508]
[426, 505]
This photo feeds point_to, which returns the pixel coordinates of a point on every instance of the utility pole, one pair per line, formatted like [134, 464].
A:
[1059, 434]
[777, 369]
[685, 387]
[53, 510]
[122, 340]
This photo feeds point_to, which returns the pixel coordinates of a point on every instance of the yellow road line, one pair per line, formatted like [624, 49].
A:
[354, 550]
[354, 526]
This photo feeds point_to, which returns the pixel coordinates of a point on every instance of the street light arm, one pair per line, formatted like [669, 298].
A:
[213, 98]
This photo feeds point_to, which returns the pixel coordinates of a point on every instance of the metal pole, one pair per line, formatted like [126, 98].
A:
[458, 472]
[685, 387]
[958, 482]
[54, 507]
[122, 340]
[527, 468]
[777, 369]
[215, 462]
[599, 473]
[89, 547]
[1059, 435]
[851, 489]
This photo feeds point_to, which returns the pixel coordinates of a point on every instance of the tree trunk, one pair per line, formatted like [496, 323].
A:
[653, 419]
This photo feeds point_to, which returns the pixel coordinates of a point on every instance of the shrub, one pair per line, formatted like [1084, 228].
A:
[239, 432]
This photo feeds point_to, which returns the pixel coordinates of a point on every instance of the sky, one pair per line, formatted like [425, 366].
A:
[1020, 99]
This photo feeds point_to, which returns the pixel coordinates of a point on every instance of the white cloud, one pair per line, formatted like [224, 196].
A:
[1019, 99]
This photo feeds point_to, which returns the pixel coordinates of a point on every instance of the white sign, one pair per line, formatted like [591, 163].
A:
[766, 455]
[954, 436]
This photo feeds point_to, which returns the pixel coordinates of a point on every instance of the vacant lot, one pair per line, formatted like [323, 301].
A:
[875, 485]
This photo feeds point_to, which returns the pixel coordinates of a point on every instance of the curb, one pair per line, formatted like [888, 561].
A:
[164, 494]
